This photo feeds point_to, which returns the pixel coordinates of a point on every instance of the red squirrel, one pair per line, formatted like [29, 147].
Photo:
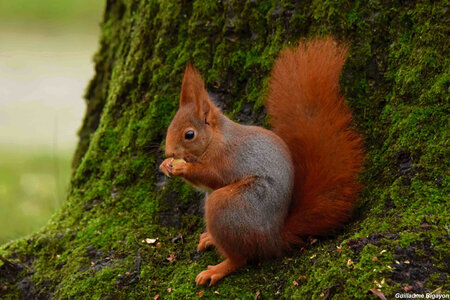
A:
[269, 189]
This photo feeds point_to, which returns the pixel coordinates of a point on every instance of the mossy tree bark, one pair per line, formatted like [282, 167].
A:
[396, 80]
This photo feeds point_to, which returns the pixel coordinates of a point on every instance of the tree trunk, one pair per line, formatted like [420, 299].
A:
[98, 245]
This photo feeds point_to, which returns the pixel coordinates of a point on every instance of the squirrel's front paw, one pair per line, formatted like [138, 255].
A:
[179, 169]
[169, 168]
[166, 166]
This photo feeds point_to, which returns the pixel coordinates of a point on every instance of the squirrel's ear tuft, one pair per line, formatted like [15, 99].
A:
[192, 86]
[193, 92]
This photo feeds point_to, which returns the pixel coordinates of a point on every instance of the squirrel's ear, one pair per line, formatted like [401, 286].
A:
[192, 87]
[193, 92]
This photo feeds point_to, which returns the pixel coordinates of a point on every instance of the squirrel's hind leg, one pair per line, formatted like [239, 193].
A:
[224, 230]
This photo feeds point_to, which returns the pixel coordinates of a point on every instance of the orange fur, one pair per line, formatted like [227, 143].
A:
[310, 115]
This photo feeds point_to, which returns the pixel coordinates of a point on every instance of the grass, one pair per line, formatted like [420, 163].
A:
[32, 186]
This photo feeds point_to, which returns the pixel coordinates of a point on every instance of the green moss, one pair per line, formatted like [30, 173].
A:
[396, 80]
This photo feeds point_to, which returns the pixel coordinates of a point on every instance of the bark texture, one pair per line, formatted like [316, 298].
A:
[396, 80]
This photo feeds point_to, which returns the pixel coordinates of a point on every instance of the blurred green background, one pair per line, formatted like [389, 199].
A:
[46, 50]
[65, 13]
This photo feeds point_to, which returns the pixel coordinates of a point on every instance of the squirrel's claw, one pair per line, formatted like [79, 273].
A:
[210, 275]
[169, 169]
[217, 272]
[205, 242]
[166, 167]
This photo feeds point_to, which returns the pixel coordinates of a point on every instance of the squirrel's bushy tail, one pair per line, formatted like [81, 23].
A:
[309, 114]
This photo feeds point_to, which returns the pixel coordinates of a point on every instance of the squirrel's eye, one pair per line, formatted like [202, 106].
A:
[189, 135]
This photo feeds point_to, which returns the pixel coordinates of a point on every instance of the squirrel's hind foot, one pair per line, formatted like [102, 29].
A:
[205, 241]
[217, 272]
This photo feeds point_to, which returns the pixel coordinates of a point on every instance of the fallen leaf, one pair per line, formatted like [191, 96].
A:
[200, 294]
[294, 283]
[216, 292]
[258, 293]
[438, 290]
[150, 241]
[408, 288]
[349, 262]
[407, 262]
[232, 39]
[4, 288]
[374, 258]
[378, 293]
[178, 238]
[156, 297]
[169, 290]
[327, 294]
[171, 257]
[425, 226]
[383, 251]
